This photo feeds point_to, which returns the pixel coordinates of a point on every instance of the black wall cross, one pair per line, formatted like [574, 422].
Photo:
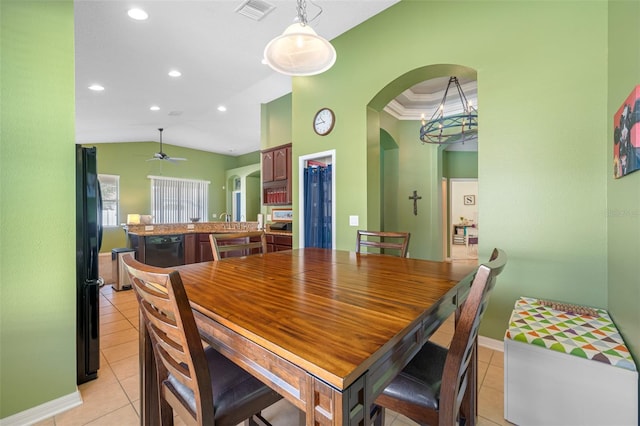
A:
[415, 199]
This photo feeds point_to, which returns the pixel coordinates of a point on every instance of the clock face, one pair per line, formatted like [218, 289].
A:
[324, 121]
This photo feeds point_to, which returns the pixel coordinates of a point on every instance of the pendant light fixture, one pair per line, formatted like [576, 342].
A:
[454, 128]
[299, 51]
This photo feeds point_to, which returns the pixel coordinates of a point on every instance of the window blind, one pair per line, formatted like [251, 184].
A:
[110, 188]
[175, 200]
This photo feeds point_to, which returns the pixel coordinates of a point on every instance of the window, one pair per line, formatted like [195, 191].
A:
[110, 188]
[176, 200]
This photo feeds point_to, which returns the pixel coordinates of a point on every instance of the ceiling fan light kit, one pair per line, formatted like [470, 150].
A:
[300, 51]
[162, 156]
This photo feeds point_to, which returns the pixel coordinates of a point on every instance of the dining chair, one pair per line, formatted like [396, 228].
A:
[237, 244]
[472, 239]
[397, 242]
[431, 389]
[201, 385]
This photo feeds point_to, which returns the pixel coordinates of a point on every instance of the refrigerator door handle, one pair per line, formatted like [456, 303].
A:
[92, 289]
[99, 216]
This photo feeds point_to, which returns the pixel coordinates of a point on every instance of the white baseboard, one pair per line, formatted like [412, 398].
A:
[43, 411]
[487, 342]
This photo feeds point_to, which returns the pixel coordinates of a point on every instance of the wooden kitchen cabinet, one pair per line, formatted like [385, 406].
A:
[205, 254]
[277, 242]
[276, 175]
[282, 163]
[197, 248]
[202, 247]
[267, 166]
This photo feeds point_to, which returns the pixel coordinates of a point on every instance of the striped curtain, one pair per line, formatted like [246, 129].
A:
[175, 200]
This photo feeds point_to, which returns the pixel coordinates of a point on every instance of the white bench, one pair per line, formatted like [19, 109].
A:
[563, 368]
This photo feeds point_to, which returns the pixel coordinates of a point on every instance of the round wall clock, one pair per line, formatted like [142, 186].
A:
[324, 121]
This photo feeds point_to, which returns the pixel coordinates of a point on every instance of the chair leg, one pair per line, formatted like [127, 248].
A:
[257, 420]
[379, 414]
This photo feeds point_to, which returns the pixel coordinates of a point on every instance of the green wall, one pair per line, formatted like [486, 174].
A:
[623, 195]
[37, 204]
[248, 159]
[460, 164]
[128, 160]
[276, 122]
[533, 59]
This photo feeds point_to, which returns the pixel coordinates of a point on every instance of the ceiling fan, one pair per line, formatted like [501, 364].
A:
[162, 156]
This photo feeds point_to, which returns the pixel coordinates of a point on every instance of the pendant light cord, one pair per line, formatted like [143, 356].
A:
[301, 9]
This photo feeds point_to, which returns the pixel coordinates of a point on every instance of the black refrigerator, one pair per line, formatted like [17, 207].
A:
[88, 241]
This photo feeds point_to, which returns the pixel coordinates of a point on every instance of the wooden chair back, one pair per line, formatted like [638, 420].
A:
[457, 372]
[457, 366]
[237, 244]
[180, 357]
[383, 242]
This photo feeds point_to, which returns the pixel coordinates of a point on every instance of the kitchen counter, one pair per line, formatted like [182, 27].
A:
[172, 244]
[190, 228]
[270, 232]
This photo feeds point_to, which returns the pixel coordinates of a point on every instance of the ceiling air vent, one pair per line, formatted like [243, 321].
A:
[255, 9]
[175, 113]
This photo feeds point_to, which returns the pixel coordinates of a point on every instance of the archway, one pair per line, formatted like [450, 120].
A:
[243, 192]
[416, 168]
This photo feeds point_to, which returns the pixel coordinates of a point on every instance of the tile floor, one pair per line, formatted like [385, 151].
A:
[114, 398]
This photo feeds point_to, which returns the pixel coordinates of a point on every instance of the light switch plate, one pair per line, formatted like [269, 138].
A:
[191, 226]
[268, 218]
[354, 220]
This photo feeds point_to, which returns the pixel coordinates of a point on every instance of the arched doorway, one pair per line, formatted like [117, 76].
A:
[394, 173]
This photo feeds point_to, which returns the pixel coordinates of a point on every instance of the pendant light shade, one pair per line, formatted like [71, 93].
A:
[299, 51]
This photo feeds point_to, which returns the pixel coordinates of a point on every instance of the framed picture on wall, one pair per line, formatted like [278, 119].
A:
[469, 200]
[281, 215]
[626, 135]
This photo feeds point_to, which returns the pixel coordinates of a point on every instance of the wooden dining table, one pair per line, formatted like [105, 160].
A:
[327, 329]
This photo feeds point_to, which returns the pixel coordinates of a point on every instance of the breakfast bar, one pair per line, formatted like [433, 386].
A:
[173, 244]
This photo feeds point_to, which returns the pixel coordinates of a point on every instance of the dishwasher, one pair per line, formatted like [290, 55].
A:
[164, 250]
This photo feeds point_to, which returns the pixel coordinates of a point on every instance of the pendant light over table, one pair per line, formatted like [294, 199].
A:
[299, 51]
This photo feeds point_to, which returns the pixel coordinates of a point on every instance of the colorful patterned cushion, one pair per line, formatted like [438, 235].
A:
[585, 336]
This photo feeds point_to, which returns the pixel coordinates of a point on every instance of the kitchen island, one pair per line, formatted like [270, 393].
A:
[176, 244]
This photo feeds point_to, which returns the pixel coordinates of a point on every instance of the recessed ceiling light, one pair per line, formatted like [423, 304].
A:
[154, 108]
[137, 14]
[222, 108]
[96, 87]
[175, 73]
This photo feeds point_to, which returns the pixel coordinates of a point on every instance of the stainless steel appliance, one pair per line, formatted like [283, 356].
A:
[88, 241]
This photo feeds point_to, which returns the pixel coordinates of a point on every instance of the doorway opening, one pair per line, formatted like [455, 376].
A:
[463, 219]
[316, 200]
